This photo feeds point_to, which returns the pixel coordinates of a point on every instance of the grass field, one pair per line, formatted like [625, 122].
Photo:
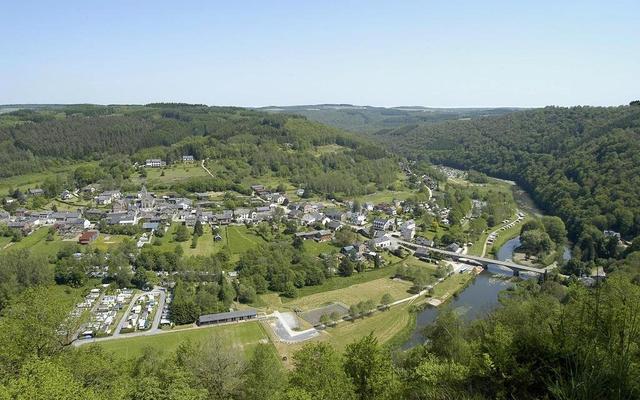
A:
[104, 241]
[451, 285]
[32, 180]
[328, 149]
[4, 241]
[237, 238]
[173, 174]
[316, 248]
[386, 196]
[206, 245]
[241, 337]
[339, 282]
[37, 243]
[384, 325]
[372, 290]
[411, 261]
[240, 239]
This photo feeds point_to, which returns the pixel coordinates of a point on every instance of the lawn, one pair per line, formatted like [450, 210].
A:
[236, 237]
[173, 174]
[243, 337]
[386, 196]
[339, 282]
[384, 325]
[372, 290]
[411, 261]
[104, 241]
[4, 241]
[37, 243]
[451, 285]
[315, 248]
[206, 245]
[240, 239]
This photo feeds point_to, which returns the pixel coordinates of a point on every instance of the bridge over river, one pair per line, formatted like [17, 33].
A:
[516, 268]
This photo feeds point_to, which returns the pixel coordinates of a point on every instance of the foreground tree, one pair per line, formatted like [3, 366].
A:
[264, 376]
[318, 371]
[370, 370]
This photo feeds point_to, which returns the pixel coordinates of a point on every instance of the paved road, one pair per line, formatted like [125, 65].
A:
[154, 330]
[122, 321]
[483, 260]
[163, 297]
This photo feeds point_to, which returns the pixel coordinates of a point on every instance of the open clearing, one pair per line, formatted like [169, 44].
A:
[451, 285]
[384, 325]
[243, 337]
[35, 179]
[172, 175]
[372, 290]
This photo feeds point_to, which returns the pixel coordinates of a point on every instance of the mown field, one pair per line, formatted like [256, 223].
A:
[385, 325]
[242, 337]
[172, 174]
[372, 290]
[37, 243]
[451, 285]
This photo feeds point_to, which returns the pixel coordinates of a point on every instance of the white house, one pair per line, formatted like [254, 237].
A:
[382, 242]
[154, 163]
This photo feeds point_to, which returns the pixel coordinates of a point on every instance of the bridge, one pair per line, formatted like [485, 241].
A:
[516, 268]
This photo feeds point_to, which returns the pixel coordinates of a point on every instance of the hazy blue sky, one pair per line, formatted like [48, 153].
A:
[252, 53]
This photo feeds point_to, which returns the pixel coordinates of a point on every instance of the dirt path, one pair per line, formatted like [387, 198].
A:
[206, 169]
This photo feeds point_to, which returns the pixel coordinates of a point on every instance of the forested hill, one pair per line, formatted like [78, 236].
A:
[34, 139]
[368, 119]
[580, 163]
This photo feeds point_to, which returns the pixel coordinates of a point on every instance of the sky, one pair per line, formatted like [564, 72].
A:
[258, 53]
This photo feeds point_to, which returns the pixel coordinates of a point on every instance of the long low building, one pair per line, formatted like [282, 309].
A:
[232, 316]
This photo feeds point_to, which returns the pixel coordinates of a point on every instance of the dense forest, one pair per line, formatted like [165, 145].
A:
[580, 163]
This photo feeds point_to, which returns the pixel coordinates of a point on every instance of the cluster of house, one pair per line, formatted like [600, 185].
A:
[26, 221]
[139, 317]
[103, 317]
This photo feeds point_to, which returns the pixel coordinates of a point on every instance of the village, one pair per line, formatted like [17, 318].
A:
[380, 230]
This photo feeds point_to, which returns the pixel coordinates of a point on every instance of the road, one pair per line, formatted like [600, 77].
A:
[154, 330]
[483, 260]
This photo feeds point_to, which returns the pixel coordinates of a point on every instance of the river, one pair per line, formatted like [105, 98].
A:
[481, 296]
[477, 299]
